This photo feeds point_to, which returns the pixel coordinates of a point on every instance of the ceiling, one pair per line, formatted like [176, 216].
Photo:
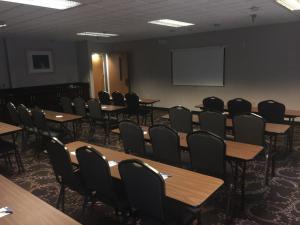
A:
[129, 18]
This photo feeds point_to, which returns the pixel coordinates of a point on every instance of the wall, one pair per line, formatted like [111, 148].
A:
[4, 77]
[64, 56]
[261, 63]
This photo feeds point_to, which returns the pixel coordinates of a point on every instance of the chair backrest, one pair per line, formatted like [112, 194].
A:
[61, 162]
[181, 119]
[133, 103]
[214, 122]
[145, 188]
[39, 119]
[95, 172]
[79, 105]
[207, 153]
[13, 113]
[66, 105]
[25, 116]
[132, 137]
[166, 144]
[250, 129]
[104, 97]
[118, 98]
[238, 106]
[213, 104]
[95, 109]
[272, 111]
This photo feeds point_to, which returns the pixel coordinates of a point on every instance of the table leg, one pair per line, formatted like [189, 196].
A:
[243, 185]
[108, 129]
[273, 158]
[268, 159]
[291, 133]
[74, 130]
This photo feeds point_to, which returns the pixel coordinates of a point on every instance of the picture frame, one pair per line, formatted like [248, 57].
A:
[40, 61]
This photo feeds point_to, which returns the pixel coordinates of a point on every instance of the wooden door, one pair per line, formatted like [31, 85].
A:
[118, 72]
[98, 73]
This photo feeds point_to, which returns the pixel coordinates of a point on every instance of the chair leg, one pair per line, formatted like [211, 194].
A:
[60, 196]
[199, 219]
[229, 204]
[84, 205]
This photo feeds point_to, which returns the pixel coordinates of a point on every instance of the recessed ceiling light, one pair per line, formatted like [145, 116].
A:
[290, 4]
[53, 4]
[170, 23]
[95, 34]
[2, 24]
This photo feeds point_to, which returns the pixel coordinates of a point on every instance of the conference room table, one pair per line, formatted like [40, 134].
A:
[240, 152]
[8, 129]
[62, 119]
[28, 209]
[185, 186]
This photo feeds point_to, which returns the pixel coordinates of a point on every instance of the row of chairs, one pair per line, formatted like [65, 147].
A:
[272, 111]
[144, 187]
[131, 101]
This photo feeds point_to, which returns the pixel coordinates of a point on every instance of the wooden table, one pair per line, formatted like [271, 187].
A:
[8, 129]
[62, 118]
[27, 208]
[188, 187]
[147, 101]
[271, 128]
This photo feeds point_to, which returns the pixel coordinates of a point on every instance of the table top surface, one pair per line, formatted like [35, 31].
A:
[148, 101]
[186, 186]
[237, 150]
[288, 112]
[60, 117]
[271, 128]
[27, 208]
[112, 108]
[6, 128]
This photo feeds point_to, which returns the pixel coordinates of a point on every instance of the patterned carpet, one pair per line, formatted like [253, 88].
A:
[278, 203]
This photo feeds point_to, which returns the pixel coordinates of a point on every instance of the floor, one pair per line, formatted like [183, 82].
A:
[278, 203]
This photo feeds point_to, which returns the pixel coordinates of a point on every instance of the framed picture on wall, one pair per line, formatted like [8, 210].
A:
[40, 62]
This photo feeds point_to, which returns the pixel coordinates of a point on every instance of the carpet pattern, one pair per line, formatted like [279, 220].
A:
[277, 203]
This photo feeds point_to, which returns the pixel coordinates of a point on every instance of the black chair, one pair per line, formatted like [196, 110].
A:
[104, 98]
[27, 122]
[79, 106]
[97, 118]
[134, 108]
[272, 111]
[66, 175]
[165, 144]
[208, 156]
[145, 189]
[214, 122]
[66, 105]
[132, 137]
[118, 98]
[207, 153]
[238, 106]
[98, 183]
[250, 129]
[181, 119]
[213, 104]
[14, 114]
[40, 122]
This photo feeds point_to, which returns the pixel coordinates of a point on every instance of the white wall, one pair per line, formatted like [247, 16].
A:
[261, 63]
[65, 62]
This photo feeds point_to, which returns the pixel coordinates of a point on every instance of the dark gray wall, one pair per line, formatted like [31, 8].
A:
[261, 63]
[4, 77]
[64, 56]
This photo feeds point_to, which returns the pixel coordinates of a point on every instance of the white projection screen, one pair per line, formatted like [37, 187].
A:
[198, 66]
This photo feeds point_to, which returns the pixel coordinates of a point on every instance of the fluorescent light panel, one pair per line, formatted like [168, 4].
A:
[290, 4]
[170, 23]
[53, 4]
[95, 34]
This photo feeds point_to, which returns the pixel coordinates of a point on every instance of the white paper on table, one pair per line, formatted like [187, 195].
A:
[59, 116]
[165, 176]
[73, 153]
[112, 163]
[5, 211]
[104, 107]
